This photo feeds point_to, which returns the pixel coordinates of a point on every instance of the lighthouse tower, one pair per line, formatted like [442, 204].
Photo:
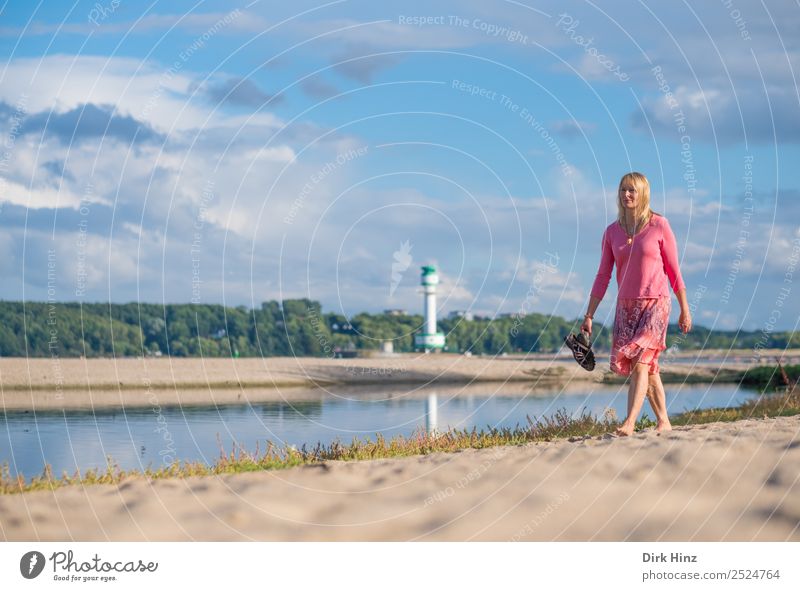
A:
[429, 339]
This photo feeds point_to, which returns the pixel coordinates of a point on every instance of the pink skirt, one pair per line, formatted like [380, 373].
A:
[640, 333]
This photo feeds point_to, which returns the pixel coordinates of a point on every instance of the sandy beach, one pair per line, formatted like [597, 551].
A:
[39, 384]
[714, 482]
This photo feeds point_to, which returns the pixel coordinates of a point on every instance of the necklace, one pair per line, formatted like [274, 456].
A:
[630, 236]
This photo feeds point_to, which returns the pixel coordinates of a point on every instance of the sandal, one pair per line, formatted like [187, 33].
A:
[581, 349]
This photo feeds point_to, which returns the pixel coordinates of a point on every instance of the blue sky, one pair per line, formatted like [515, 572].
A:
[233, 153]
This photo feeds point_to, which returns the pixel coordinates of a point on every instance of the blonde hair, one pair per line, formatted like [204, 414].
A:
[642, 186]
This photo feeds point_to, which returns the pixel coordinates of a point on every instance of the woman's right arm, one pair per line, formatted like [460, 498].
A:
[601, 281]
[587, 320]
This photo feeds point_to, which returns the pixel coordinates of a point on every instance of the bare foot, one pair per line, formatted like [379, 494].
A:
[624, 430]
[663, 427]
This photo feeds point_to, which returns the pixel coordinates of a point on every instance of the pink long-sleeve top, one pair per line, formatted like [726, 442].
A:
[646, 268]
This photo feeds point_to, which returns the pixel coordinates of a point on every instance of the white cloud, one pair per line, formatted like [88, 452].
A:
[278, 154]
[43, 196]
[160, 95]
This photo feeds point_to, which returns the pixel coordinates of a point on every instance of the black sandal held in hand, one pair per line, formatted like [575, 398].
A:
[581, 349]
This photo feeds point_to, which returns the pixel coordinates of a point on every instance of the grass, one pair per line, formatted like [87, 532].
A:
[769, 378]
[784, 402]
[780, 404]
[239, 460]
[780, 397]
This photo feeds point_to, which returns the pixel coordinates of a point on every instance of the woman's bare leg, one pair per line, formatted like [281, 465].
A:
[658, 400]
[636, 393]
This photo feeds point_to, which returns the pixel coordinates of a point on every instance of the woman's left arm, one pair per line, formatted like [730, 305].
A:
[669, 254]
[685, 319]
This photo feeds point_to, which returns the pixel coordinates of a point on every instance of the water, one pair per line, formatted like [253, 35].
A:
[138, 438]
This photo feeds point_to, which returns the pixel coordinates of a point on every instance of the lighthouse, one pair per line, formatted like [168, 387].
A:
[429, 339]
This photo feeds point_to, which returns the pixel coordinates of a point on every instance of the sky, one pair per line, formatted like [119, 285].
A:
[239, 152]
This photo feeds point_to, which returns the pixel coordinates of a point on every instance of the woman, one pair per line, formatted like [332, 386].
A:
[642, 245]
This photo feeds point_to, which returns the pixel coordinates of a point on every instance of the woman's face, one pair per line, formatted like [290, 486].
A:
[628, 195]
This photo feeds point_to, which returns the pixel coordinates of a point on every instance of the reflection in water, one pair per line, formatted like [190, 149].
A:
[136, 438]
[431, 413]
[282, 410]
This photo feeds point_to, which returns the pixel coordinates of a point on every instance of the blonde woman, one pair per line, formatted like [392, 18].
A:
[641, 244]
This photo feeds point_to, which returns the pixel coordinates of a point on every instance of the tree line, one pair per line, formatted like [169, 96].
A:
[296, 327]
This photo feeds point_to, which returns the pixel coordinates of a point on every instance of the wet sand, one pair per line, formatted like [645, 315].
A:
[716, 482]
[40, 401]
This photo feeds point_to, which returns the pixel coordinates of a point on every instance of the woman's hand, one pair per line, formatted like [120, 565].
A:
[685, 321]
[587, 325]
[587, 318]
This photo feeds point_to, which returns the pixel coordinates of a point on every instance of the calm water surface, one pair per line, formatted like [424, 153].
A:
[138, 438]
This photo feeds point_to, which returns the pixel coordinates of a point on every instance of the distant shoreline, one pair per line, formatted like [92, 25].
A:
[52, 384]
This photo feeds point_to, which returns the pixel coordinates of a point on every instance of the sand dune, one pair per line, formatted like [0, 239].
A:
[722, 481]
[67, 374]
